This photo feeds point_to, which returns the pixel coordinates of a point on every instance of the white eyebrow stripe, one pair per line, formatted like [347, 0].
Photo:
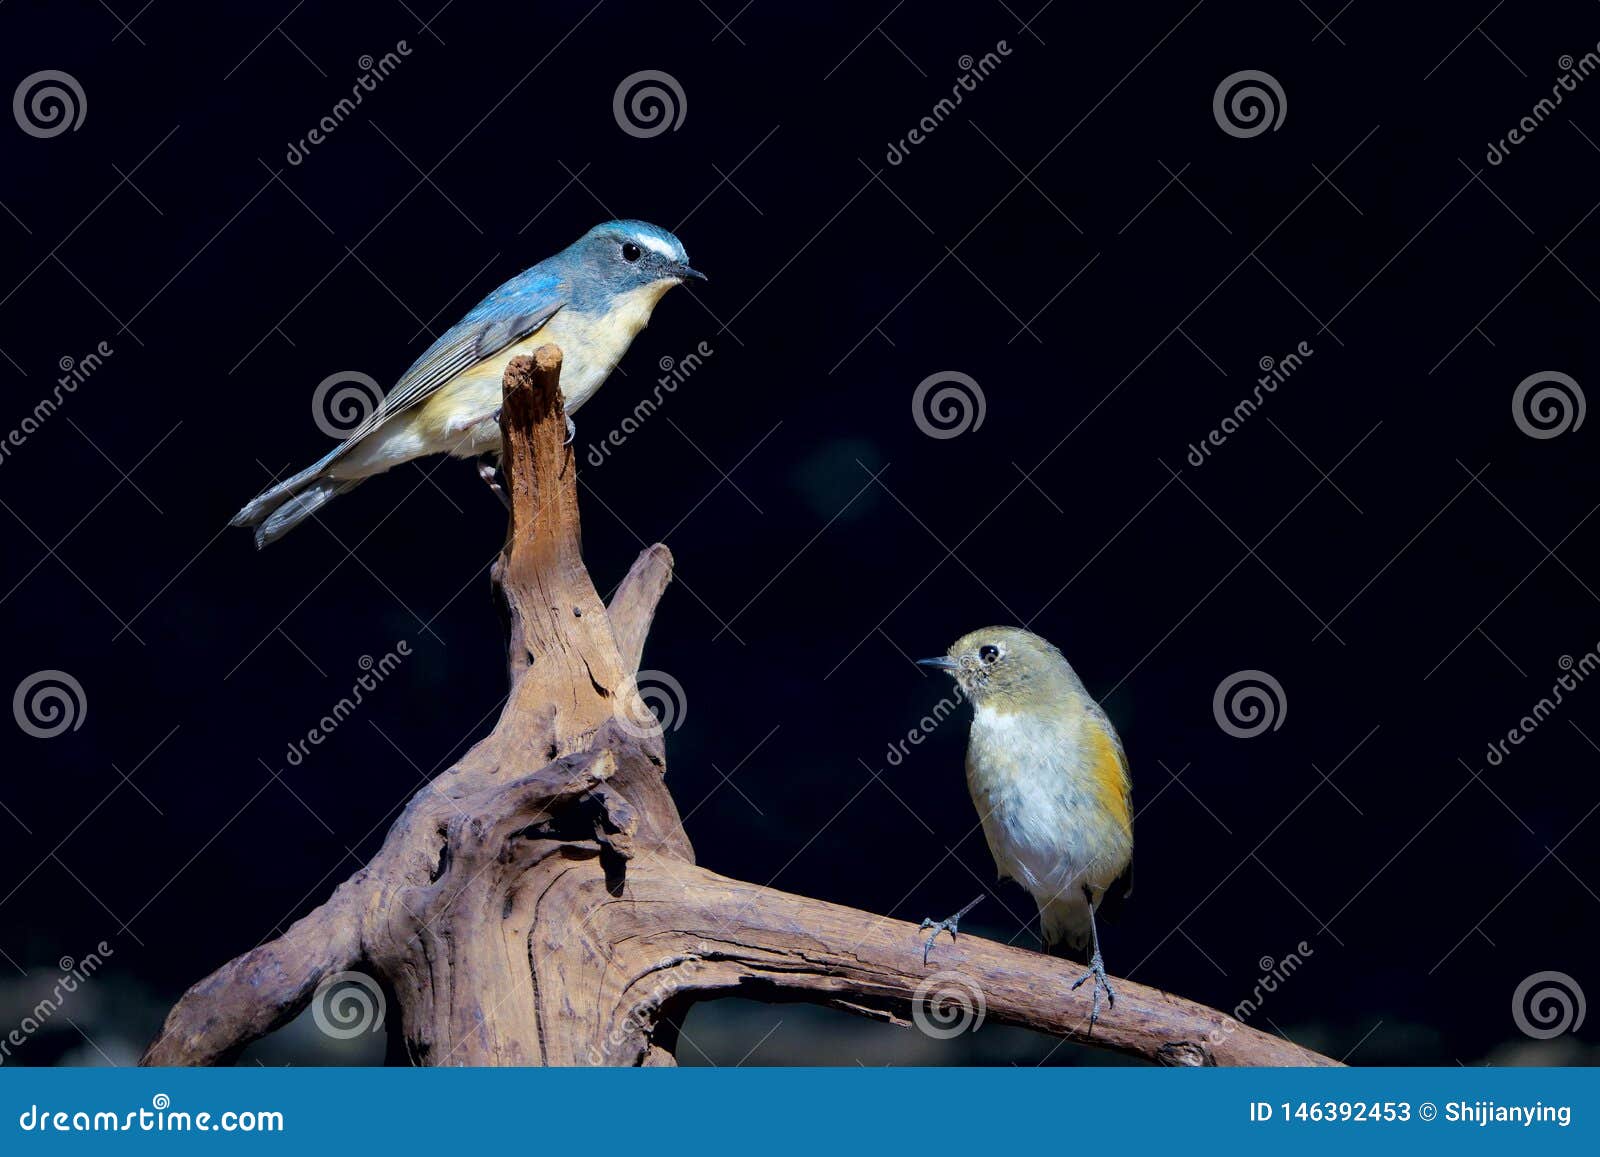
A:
[658, 245]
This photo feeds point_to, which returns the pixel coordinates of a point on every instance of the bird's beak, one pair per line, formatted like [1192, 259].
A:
[943, 662]
[685, 271]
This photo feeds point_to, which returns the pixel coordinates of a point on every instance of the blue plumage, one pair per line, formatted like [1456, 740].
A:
[591, 299]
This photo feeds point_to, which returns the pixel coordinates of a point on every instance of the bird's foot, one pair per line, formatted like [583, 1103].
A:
[490, 473]
[1097, 973]
[950, 924]
[572, 430]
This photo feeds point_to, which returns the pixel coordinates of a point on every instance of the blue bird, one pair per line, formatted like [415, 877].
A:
[591, 299]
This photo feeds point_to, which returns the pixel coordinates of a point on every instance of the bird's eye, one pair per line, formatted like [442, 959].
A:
[989, 653]
[630, 251]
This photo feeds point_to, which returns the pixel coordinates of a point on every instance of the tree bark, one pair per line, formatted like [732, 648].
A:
[539, 903]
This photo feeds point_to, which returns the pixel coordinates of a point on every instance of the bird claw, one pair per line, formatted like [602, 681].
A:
[949, 924]
[572, 431]
[1096, 972]
[491, 476]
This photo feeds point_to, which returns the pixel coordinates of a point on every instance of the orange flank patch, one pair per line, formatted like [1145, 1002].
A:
[1110, 778]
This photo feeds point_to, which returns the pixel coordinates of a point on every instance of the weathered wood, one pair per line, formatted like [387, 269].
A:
[539, 903]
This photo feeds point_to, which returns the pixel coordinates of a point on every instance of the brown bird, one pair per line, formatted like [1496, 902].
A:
[1050, 781]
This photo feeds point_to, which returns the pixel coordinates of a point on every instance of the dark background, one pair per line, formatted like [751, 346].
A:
[821, 537]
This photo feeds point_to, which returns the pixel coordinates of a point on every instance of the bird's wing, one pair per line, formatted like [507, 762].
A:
[509, 314]
[1115, 773]
[1122, 886]
[1113, 763]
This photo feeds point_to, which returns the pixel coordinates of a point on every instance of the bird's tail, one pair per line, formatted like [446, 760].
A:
[280, 508]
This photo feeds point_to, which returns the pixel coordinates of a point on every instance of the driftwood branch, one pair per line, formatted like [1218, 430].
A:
[539, 903]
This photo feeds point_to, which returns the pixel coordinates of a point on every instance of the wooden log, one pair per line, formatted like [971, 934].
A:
[538, 903]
